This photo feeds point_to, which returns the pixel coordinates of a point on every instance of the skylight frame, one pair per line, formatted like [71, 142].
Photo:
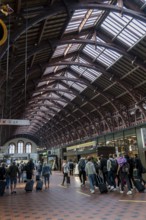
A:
[129, 34]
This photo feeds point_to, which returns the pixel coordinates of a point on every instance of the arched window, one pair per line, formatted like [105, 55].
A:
[28, 148]
[11, 148]
[20, 147]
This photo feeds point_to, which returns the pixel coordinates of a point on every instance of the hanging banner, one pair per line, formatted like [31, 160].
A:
[143, 137]
[14, 122]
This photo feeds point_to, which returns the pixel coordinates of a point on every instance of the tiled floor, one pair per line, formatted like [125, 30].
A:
[71, 203]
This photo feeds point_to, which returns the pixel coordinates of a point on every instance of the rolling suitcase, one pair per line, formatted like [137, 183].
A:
[29, 186]
[138, 185]
[39, 185]
[2, 187]
[102, 186]
[68, 179]
[37, 177]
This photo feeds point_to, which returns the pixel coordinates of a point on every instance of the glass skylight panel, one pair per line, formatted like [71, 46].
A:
[43, 108]
[48, 70]
[77, 69]
[76, 20]
[66, 94]
[61, 67]
[47, 102]
[41, 113]
[59, 50]
[69, 95]
[127, 29]
[78, 86]
[88, 73]
[91, 21]
[82, 19]
[41, 84]
[36, 93]
[62, 103]
[73, 48]
[38, 117]
[90, 50]
[69, 75]
[105, 56]
[91, 74]
[138, 26]
[53, 95]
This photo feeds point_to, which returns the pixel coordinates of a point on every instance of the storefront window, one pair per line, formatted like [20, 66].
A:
[124, 142]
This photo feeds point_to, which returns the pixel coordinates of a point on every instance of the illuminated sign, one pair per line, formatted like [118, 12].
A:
[87, 144]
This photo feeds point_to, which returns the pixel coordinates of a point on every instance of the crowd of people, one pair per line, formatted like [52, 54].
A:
[22, 172]
[118, 173]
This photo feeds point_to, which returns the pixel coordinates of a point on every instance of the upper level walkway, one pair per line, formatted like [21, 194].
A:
[71, 203]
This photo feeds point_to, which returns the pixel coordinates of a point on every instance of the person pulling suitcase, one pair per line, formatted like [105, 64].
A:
[137, 181]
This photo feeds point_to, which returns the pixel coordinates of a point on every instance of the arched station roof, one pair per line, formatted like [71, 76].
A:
[75, 68]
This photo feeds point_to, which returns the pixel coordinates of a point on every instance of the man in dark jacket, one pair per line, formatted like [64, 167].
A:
[138, 164]
[82, 172]
[29, 169]
[2, 172]
[103, 168]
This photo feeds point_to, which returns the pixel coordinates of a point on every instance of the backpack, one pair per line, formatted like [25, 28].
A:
[81, 165]
[46, 170]
[125, 168]
[114, 165]
[135, 173]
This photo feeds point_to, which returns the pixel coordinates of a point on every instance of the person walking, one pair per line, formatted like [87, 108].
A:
[82, 172]
[103, 168]
[65, 169]
[90, 171]
[112, 167]
[138, 165]
[46, 172]
[13, 172]
[123, 170]
[29, 169]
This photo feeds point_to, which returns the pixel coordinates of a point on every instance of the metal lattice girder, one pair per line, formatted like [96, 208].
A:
[123, 84]
[73, 6]
[57, 104]
[55, 112]
[54, 43]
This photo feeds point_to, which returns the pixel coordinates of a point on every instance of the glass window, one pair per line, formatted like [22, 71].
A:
[20, 147]
[28, 148]
[11, 148]
[127, 29]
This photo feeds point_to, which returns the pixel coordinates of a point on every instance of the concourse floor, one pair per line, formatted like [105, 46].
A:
[71, 203]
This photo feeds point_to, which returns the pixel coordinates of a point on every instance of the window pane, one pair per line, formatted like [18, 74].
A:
[20, 147]
[11, 149]
[28, 148]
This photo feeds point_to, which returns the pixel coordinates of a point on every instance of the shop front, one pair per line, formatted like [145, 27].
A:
[124, 142]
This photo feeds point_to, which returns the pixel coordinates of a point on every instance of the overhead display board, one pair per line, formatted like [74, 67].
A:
[14, 122]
